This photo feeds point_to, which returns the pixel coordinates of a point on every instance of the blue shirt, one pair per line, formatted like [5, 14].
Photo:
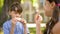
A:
[19, 29]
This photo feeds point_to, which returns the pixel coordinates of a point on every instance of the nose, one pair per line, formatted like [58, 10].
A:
[17, 15]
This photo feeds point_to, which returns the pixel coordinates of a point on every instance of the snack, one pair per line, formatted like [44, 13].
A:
[18, 18]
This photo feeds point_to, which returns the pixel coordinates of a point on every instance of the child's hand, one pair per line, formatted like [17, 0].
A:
[38, 18]
[23, 21]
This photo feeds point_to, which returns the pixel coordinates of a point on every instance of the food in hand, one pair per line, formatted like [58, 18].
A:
[39, 18]
[18, 19]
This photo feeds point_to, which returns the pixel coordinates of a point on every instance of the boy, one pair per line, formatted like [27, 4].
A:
[16, 24]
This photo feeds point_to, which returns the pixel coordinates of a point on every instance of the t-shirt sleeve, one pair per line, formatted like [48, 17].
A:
[5, 28]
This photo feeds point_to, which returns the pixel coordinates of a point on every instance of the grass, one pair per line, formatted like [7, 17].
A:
[32, 30]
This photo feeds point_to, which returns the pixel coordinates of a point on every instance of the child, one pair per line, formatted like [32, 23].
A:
[16, 24]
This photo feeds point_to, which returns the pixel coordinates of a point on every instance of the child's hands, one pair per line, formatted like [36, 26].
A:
[14, 20]
[23, 21]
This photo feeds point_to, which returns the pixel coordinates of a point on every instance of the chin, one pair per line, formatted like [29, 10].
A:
[48, 15]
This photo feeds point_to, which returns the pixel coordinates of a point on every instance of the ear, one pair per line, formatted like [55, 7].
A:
[52, 4]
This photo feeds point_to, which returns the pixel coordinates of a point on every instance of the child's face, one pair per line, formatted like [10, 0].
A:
[14, 14]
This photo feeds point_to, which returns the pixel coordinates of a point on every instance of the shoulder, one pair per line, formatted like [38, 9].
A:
[56, 28]
[6, 22]
[57, 25]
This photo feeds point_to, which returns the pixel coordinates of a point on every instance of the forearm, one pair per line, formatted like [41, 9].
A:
[12, 29]
[38, 30]
[25, 29]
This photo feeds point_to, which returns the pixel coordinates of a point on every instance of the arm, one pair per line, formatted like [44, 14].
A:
[23, 21]
[12, 29]
[13, 25]
[38, 30]
[26, 30]
[38, 20]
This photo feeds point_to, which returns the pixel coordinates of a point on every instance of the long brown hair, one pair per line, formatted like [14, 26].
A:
[55, 17]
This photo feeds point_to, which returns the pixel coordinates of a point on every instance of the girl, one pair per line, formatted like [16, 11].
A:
[52, 9]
